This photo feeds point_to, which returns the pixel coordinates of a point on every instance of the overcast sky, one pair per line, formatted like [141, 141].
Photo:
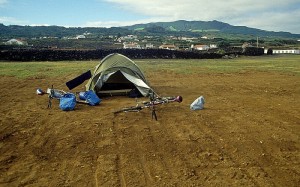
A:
[271, 15]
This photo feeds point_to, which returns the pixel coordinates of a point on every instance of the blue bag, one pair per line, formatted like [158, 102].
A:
[91, 98]
[81, 96]
[67, 102]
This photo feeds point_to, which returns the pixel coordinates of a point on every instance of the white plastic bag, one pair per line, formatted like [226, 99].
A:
[198, 104]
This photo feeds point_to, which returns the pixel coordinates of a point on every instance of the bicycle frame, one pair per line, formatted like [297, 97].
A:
[163, 100]
[151, 104]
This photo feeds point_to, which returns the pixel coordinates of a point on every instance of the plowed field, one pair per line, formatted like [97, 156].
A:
[247, 135]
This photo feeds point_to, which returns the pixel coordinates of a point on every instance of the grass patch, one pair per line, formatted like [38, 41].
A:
[280, 63]
[139, 29]
[209, 30]
[277, 63]
[45, 69]
[172, 28]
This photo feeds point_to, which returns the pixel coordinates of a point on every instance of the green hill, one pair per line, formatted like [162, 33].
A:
[180, 28]
[211, 26]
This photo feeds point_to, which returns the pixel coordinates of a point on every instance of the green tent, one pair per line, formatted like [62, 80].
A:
[117, 74]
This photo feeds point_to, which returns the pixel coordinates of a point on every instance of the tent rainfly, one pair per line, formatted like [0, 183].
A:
[116, 73]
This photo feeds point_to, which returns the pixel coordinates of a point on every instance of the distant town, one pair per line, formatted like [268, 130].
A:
[202, 37]
[204, 43]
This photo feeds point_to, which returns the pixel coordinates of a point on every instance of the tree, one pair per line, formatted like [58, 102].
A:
[223, 44]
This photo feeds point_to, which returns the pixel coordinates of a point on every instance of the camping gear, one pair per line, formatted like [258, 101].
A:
[198, 104]
[55, 93]
[67, 99]
[151, 104]
[81, 96]
[116, 74]
[134, 93]
[90, 97]
[67, 102]
[79, 80]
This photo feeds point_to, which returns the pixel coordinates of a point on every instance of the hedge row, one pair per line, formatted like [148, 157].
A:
[253, 51]
[60, 55]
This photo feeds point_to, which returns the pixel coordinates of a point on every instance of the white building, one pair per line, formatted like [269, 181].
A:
[284, 51]
[15, 42]
[200, 47]
[168, 46]
[131, 46]
[80, 37]
[149, 46]
[213, 46]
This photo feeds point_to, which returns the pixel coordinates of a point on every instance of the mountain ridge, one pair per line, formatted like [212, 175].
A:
[181, 27]
[212, 26]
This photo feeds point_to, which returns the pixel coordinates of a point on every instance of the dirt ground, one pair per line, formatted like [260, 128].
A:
[247, 135]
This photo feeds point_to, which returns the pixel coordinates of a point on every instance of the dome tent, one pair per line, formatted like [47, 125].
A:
[116, 73]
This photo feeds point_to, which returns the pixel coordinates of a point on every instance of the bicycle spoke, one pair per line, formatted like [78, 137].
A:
[151, 105]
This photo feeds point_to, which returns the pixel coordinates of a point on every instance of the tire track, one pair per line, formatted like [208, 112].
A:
[190, 136]
[147, 157]
[239, 164]
[124, 158]
[172, 151]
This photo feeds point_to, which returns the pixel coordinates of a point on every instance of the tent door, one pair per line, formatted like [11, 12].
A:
[117, 81]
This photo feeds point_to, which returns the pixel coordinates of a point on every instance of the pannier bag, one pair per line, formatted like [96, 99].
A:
[90, 97]
[67, 102]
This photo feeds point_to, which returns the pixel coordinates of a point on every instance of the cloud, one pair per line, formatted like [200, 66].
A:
[3, 2]
[12, 21]
[33, 25]
[102, 24]
[108, 24]
[259, 14]
[15, 21]
[273, 21]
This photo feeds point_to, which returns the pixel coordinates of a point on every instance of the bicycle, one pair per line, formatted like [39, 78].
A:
[87, 97]
[151, 104]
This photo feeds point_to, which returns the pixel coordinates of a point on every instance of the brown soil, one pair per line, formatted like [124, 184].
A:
[247, 135]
